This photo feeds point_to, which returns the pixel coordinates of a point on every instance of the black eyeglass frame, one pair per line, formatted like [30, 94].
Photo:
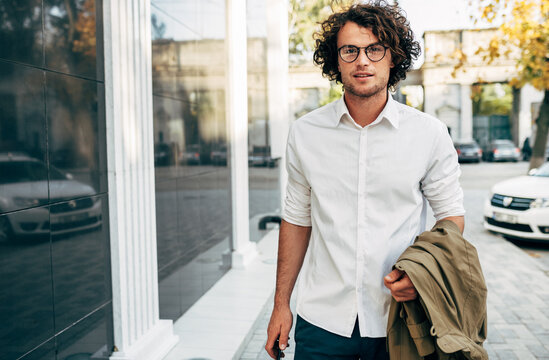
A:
[365, 51]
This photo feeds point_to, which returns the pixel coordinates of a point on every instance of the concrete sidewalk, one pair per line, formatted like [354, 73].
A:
[518, 295]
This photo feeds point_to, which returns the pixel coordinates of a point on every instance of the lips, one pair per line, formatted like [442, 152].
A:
[362, 75]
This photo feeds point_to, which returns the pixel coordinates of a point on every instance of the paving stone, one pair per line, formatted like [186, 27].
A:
[518, 295]
[538, 351]
[506, 355]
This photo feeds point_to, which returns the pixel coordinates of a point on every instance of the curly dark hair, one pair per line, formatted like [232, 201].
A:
[389, 25]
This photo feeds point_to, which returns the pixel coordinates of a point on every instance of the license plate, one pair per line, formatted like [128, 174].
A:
[512, 219]
[74, 218]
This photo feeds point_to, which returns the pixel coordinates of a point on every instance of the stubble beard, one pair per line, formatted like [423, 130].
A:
[366, 93]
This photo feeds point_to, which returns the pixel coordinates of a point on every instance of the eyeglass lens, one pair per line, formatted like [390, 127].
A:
[374, 52]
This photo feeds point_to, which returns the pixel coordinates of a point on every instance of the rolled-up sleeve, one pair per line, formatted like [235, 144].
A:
[440, 186]
[297, 203]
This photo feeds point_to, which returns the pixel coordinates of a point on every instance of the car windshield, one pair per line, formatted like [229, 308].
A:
[26, 171]
[543, 171]
[468, 146]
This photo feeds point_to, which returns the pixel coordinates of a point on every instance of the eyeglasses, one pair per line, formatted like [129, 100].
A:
[374, 52]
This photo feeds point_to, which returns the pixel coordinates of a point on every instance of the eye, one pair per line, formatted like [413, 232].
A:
[375, 49]
[349, 50]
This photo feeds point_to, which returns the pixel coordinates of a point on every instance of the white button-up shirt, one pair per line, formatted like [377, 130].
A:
[364, 192]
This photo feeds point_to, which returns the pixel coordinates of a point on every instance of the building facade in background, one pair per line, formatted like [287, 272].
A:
[476, 101]
[118, 200]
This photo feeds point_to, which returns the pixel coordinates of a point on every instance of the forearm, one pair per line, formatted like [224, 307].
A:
[292, 246]
[458, 220]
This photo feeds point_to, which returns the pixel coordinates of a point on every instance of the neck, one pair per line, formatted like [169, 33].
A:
[364, 110]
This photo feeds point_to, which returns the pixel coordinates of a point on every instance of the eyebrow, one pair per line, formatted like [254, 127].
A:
[376, 43]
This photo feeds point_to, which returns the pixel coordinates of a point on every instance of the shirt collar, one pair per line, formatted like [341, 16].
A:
[390, 112]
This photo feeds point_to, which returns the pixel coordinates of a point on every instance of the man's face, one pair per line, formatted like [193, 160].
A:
[362, 78]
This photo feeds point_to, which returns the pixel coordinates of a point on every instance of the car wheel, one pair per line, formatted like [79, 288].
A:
[6, 234]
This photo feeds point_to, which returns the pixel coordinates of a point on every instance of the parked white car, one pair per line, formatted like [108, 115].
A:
[519, 207]
[24, 184]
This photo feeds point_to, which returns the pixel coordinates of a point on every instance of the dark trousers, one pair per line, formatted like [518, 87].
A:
[314, 343]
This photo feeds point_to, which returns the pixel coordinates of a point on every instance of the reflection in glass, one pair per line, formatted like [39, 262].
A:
[26, 299]
[90, 338]
[264, 174]
[70, 37]
[21, 31]
[24, 184]
[74, 137]
[191, 146]
[46, 351]
[22, 138]
[79, 255]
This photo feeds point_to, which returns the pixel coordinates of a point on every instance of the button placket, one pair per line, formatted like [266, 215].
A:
[360, 214]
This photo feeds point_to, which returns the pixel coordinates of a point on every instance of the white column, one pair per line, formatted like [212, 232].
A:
[243, 251]
[466, 121]
[277, 82]
[138, 331]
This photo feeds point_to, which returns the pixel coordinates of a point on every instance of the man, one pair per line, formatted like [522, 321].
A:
[361, 171]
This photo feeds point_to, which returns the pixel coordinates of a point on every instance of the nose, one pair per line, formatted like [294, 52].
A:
[362, 58]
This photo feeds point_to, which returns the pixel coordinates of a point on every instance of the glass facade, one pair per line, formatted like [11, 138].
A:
[263, 173]
[54, 257]
[192, 170]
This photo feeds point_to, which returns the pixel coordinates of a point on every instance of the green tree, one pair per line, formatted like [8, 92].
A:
[525, 28]
[305, 17]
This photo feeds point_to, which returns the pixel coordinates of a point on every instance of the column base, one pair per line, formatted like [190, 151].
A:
[240, 258]
[155, 345]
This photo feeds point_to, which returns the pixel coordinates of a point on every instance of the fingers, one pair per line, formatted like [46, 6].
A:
[393, 276]
[402, 289]
[269, 347]
[279, 327]
[284, 335]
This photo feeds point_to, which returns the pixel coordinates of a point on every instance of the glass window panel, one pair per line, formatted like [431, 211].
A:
[189, 117]
[74, 138]
[80, 254]
[26, 300]
[174, 53]
[175, 145]
[23, 170]
[167, 223]
[211, 16]
[21, 31]
[71, 37]
[264, 174]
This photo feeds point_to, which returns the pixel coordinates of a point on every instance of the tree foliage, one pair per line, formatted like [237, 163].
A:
[305, 17]
[524, 28]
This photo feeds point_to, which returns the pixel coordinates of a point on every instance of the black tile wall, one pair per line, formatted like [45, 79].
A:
[26, 299]
[79, 259]
[70, 37]
[55, 299]
[21, 37]
[45, 351]
[87, 339]
[73, 132]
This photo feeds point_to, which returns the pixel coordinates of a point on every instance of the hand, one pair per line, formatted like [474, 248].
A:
[279, 327]
[400, 285]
